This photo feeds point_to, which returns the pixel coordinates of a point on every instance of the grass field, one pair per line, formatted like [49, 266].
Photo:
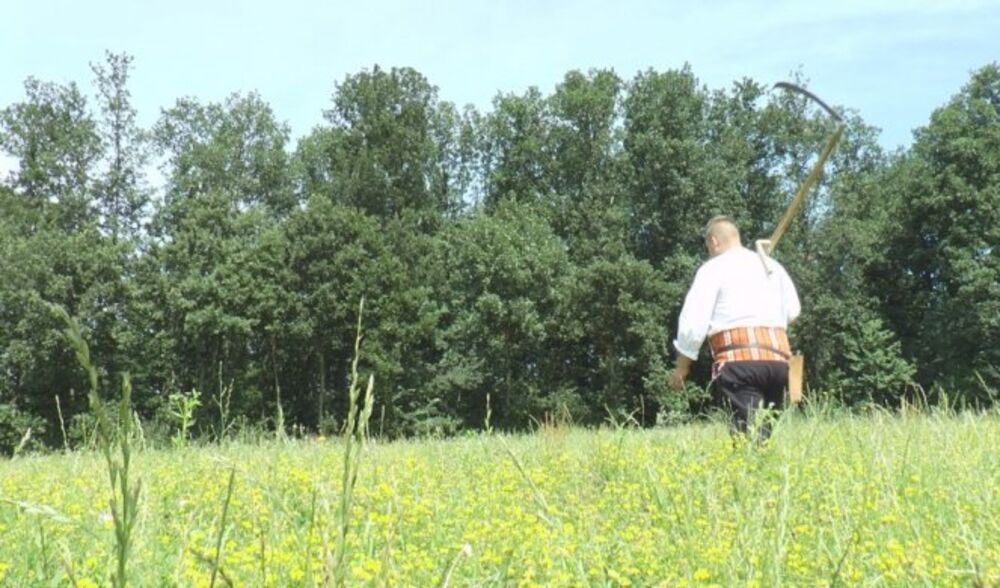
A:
[874, 500]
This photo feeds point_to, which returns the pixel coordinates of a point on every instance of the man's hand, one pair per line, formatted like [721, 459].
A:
[677, 380]
[680, 372]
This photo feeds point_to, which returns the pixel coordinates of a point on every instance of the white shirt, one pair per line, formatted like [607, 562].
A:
[732, 290]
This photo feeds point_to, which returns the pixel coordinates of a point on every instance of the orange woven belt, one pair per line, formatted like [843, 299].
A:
[750, 344]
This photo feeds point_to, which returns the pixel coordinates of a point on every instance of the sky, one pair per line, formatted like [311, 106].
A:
[892, 61]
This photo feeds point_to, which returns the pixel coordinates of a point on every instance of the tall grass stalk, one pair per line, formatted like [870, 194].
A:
[309, 539]
[114, 440]
[221, 537]
[62, 425]
[355, 433]
[544, 512]
[466, 551]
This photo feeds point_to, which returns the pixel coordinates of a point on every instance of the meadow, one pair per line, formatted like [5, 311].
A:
[872, 500]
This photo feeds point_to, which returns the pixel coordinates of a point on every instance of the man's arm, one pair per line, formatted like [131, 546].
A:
[693, 324]
[789, 298]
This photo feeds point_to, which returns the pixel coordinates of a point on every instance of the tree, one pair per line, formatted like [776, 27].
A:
[332, 250]
[53, 251]
[502, 273]
[515, 149]
[584, 139]
[54, 137]
[229, 182]
[388, 145]
[945, 249]
[665, 136]
[236, 148]
[120, 194]
[610, 347]
[588, 203]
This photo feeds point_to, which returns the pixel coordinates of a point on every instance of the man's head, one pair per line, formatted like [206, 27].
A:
[721, 235]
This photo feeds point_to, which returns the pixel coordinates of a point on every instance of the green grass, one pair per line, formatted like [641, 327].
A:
[875, 500]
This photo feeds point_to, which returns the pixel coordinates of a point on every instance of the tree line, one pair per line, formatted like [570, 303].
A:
[524, 261]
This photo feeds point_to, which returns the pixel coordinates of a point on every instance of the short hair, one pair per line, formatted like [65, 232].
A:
[722, 227]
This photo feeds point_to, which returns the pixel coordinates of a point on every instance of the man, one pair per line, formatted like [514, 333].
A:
[743, 309]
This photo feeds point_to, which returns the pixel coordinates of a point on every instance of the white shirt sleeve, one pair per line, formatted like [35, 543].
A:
[696, 315]
[789, 298]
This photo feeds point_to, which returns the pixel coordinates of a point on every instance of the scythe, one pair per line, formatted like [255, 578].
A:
[765, 247]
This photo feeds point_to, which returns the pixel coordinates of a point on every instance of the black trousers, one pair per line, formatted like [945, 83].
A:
[748, 386]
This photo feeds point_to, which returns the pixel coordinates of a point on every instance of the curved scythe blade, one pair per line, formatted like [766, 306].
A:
[799, 89]
[768, 246]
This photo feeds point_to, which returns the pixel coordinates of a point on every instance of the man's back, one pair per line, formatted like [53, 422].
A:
[733, 290]
[747, 294]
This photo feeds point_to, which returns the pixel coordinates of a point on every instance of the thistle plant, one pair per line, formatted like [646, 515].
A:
[181, 407]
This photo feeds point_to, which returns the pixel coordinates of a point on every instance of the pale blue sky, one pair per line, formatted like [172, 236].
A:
[893, 61]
